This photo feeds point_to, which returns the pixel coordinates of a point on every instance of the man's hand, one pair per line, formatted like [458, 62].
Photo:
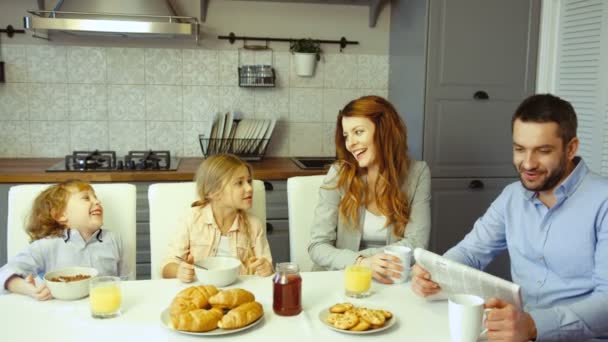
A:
[185, 270]
[383, 266]
[507, 323]
[422, 284]
[260, 266]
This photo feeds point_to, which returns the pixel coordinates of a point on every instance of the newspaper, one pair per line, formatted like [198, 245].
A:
[454, 277]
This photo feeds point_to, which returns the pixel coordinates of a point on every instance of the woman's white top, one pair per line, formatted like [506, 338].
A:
[374, 233]
[223, 249]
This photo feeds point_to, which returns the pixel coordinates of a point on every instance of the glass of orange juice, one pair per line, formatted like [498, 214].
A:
[357, 281]
[106, 297]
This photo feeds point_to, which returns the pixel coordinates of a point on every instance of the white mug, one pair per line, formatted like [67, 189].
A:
[405, 255]
[466, 317]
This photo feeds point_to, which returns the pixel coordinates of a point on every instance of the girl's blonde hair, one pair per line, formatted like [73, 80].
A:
[213, 175]
[48, 206]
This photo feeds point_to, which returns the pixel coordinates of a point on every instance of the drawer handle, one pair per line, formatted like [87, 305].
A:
[268, 186]
[269, 228]
[481, 95]
[476, 184]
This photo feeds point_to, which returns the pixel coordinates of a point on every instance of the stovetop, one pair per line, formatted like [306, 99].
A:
[106, 161]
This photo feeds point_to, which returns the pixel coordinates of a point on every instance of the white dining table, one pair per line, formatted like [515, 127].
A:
[25, 319]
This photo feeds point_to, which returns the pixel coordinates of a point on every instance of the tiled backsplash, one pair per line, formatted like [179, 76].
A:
[63, 98]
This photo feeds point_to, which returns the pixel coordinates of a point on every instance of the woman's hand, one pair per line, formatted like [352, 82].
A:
[185, 270]
[384, 267]
[260, 266]
[422, 284]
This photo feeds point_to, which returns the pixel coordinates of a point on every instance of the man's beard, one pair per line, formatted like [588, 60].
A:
[552, 180]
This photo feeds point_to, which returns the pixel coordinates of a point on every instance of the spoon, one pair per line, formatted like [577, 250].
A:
[195, 265]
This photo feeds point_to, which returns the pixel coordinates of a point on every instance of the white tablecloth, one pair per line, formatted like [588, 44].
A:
[24, 319]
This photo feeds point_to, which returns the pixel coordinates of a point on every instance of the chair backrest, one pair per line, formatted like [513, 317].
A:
[117, 199]
[169, 202]
[302, 198]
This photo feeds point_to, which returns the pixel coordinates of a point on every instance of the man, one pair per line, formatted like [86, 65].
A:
[554, 222]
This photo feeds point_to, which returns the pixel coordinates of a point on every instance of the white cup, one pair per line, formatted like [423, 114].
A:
[405, 255]
[466, 317]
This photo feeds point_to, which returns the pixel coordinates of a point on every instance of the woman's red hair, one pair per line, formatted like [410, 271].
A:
[390, 139]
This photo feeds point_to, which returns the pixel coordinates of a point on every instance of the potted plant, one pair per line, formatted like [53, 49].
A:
[306, 52]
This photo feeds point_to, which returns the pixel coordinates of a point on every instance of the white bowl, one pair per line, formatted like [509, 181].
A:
[221, 271]
[73, 289]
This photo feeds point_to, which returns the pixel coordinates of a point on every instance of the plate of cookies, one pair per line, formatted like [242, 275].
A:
[350, 319]
[206, 311]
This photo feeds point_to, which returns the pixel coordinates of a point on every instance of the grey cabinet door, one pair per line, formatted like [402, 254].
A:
[456, 204]
[481, 63]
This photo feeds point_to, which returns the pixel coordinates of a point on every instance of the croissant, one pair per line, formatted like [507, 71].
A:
[232, 298]
[192, 298]
[241, 316]
[199, 320]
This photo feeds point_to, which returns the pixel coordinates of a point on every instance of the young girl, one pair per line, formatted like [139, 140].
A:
[65, 229]
[218, 224]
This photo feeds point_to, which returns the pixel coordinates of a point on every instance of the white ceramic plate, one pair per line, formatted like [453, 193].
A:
[165, 319]
[325, 312]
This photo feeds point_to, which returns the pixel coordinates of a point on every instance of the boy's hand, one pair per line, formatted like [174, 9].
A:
[260, 266]
[185, 270]
[37, 292]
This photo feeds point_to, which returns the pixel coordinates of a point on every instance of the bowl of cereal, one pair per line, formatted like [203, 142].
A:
[70, 283]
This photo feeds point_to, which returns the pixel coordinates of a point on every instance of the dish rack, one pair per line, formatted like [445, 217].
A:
[256, 75]
[246, 149]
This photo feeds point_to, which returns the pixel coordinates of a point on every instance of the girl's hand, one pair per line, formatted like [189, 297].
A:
[260, 266]
[384, 266]
[185, 270]
[37, 292]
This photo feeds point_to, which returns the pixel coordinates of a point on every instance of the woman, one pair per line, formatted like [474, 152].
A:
[373, 195]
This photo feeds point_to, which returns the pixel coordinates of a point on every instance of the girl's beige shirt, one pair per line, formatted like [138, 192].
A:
[198, 233]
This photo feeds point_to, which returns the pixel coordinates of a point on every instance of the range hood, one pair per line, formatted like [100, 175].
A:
[95, 22]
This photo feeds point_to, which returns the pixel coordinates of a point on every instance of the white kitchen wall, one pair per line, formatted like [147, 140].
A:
[63, 98]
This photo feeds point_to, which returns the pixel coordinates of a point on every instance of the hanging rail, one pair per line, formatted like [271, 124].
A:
[10, 31]
[343, 42]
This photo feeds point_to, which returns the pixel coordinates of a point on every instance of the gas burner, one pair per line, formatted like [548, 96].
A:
[87, 160]
[148, 160]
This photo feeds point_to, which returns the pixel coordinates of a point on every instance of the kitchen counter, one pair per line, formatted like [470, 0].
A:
[32, 170]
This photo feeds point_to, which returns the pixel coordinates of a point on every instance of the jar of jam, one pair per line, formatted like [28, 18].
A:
[287, 290]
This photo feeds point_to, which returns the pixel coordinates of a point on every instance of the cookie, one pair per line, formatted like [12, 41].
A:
[372, 316]
[387, 314]
[341, 308]
[346, 321]
[361, 326]
[332, 317]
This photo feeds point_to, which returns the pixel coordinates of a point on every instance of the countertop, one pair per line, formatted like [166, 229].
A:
[32, 170]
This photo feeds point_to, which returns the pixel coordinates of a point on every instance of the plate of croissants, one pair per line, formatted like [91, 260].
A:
[205, 310]
[350, 319]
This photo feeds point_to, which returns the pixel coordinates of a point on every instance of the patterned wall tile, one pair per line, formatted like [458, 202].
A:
[305, 139]
[200, 103]
[373, 71]
[46, 63]
[192, 147]
[126, 102]
[13, 101]
[282, 67]
[341, 71]
[88, 102]
[201, 67]
[334, 100]
[306, 105]
[377, 92]
[279, 141]
[163, 66]
[125, 136]
[126, 66]
[86, 65]
[15, 63]
[164, 103]
[50, 138]
[228, 62]
[315, 81]
[237, 99]
[329, 140]
[272, 103]
[88, 135]
[48, 101]
[165, 135]
[15, 137]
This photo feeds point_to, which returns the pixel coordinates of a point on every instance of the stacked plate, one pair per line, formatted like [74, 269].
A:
[243, 137]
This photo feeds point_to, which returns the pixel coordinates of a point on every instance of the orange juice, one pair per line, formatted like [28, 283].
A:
[357, 281]
[105, 297]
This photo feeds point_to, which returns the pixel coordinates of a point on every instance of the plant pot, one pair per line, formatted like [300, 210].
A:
[305, 63]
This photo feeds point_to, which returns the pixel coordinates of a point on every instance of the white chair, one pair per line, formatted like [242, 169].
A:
[169, 202]
[117, 199]
[302, 198]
